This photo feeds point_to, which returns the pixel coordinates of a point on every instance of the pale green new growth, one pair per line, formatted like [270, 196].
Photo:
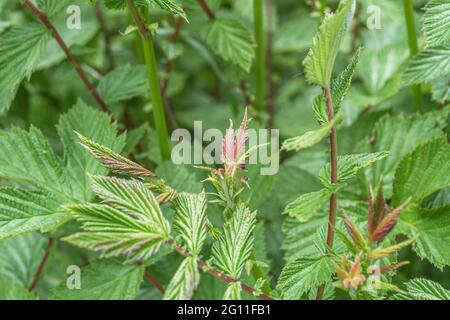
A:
[184, 282]
[319, 63]
[437, 22]
[423, 289]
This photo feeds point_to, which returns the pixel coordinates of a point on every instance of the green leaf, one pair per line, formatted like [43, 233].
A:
[428, 65]
[432, 226]
[23, 211]
[234, 247]
[303, 274]
[309, 138]
[10, 289]
[20, 257]
[184, 282]
[436, 22]
[119, 282]
[233, 291]
[167, 5]
[339, 89]
[423, 289]
[28, 158]
[230, 40]
[123, 83]
[52, 7]
[113, 232]
[21, 49]
[133, 198]
[307, 204]
[400, 135]
[319, 63]
[440, 89]
[349, 165]
[422, 172]
[190, 220]
[95, 125]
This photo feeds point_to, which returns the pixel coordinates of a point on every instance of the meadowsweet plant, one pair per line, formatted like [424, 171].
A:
[353, 205]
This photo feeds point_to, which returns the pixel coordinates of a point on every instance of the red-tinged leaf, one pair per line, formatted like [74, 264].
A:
[388, 223]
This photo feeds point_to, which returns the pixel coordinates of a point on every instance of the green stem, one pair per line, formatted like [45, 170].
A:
[155, 90]
[413, 48]
[260, 67]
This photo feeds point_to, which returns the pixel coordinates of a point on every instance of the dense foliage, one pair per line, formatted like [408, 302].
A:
[93, 205]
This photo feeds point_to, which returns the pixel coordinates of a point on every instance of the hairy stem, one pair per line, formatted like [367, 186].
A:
[260, 61]
[216, 273]
[106, 36]
[333, 179]
[155, 90]
[72, 59]
[271, 97]
[207, 9]
[41, 266]
[413, 48]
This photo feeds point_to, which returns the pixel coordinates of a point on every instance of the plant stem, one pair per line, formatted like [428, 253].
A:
[155, 90]
[41, 266]
[413, 48]
[72, 59]
[260, 61]
[207, 9]
[106, 36]
[216, 273]
[333, 179]
[154, 282]
[271, 98]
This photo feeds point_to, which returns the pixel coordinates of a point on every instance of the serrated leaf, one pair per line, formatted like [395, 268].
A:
[167, 5]
[436, 22]
[23, 211]
[307, 204]
[21, 49]
[319, 63]
[114, 233]
[95, 125]
[10, 289]
[190, 220]
[349, 165]
[423, 289]
[20, 257]
[301, 275]
[339, 89]
[230, 40]
[119, 282]
[432, 226]
[233, 291]
[430, 64]
[184, 282]
[123, 83]
[234, 247]
[422, 172]
[52, 7]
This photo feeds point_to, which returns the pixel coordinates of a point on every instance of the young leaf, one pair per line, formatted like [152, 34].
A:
[23, 211]
[119, 282]
[319, 63]
[21, 49]
[422, 172]
[349, 165]
[303, 274]
[113, 232]
[233, 291]
[436, 22]
[235, 244]
[133, 198]
[184, 282]
[190, 220]
[113, 160]
[231, 40]
[423, 289]
[428, 65]
[309, 138]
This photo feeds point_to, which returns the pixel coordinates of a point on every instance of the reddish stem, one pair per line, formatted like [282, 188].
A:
[41, 266]
[154, 282]
[207, 9]
[333, 179]
[72, 59]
